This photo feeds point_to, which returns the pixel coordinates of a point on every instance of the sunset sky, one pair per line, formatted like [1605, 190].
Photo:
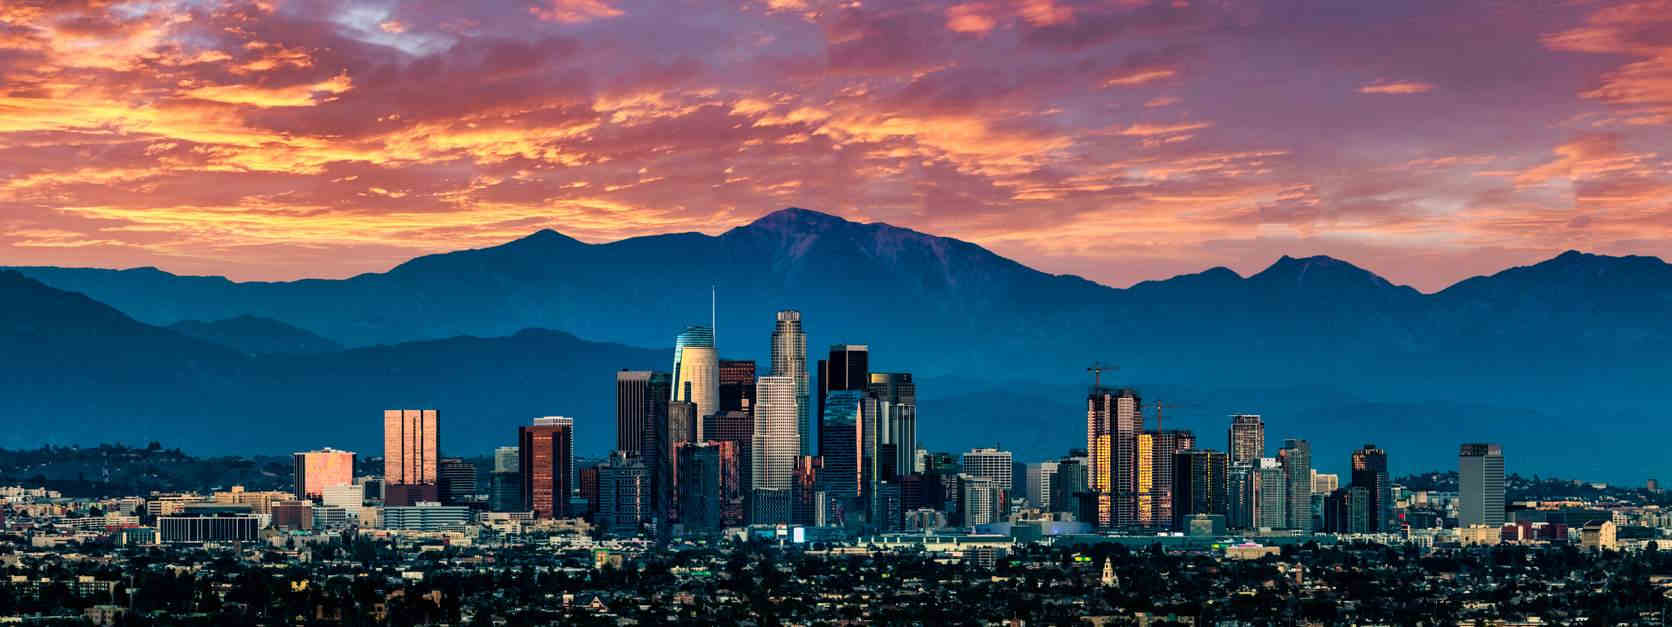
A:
[1122, 140]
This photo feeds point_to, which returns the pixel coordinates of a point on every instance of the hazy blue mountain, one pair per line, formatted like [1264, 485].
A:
[1576, 343]
[253, 335]
[76, 371]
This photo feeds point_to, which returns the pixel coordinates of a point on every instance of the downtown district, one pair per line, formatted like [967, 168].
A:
[721, 474]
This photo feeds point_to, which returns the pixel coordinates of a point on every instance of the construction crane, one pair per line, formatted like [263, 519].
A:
[1161, 406]
[1097, 369]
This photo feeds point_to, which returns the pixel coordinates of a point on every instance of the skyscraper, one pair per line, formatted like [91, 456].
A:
[1246, 439]
[623, 494]
[1241, 494]
[681, 429]
[1199, 484]
[1370, 471]
[1155, 474]
[324, 468]
[410, 456]
[840, 434]
[1296, 456]
[737, 385]
[696, 371]
[1114, 418]
[898, 395]
[546, 456]
[776, 442]
[700, 481]
[846, 369]
[1271, 501]
[637, 393]
[789, 359]
[1480, 485]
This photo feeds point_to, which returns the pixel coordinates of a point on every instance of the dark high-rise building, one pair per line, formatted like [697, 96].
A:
[1200, 484]
[1246, 440]
[846, 369]
[1480, 489]
[1370, 471]
[681, 429]
[737, 427]
[1155, 474]
[918, 491]
[804, 493]
[589, 489]
[638, 395]
[789, 359]
[1296, 457]
[840, 434]
[1069, 481]
[898, 396]
[737, 386]
[1114, 418]
[623, 495]
[700, 486]
[411, 446]
[546, 453]
[458, 481]
[1348, 510]
[505, 484]
[1242, 494]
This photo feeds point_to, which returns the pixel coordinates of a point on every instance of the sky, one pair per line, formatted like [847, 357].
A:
[1121, 140]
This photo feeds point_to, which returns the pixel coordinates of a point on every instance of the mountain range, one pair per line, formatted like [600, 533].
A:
[1552, 359]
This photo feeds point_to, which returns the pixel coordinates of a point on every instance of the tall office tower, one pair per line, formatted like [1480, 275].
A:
[1271, 505]
[847, 369]
[898, 395]
[410, 455]
[623, 494]
[635, 393]
[1480, 485]
[546, 456]
[1296, 456]
[1039, 484]
[776, 443]
[696, 371]
[1155, 474]
[1200, 484]
[458, 481]
[681, 429]
[989, 463]
[1114, 418]
[1246, 439]
[700, 499]
[840, 434]
[1242, 492]
[789, 359]
[324, 468]
[1370, 471]
[737, 385]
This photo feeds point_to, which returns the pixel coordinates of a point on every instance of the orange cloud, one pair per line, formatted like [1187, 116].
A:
[1148, 130]
[574, 11]
[972, 17]
[291, 96]
[1404, 87]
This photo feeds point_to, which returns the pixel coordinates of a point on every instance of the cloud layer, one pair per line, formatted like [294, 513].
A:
[1117, 139]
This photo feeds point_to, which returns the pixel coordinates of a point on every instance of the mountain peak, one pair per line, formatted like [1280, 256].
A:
[1318, 271]
[796, 218]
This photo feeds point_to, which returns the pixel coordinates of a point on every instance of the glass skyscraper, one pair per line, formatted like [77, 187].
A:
[696, 371]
